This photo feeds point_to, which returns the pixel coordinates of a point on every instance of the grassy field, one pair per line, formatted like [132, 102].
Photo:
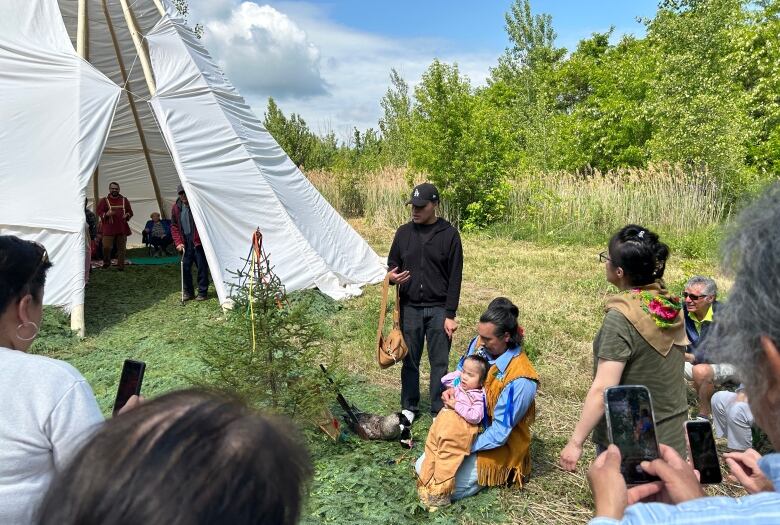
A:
[560, 292]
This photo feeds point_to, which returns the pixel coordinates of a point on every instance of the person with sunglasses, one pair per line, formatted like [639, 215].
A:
[641, 342]
[699, 309]
[48, 406]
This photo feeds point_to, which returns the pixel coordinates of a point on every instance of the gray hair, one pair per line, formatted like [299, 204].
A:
[751, 251]
[710, 288]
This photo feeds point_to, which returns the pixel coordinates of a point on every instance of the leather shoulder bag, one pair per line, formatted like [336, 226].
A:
[390, 349]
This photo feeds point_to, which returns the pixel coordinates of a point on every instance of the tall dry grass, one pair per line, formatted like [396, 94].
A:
[663, 197]
[556, 205]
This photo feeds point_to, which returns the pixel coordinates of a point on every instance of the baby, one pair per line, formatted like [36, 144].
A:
[453, 432]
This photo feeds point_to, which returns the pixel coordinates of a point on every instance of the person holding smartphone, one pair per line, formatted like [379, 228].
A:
[641, 342]
[748, 334]
[48, 407]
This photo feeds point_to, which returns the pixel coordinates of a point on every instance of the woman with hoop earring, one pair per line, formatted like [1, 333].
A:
[48, 408]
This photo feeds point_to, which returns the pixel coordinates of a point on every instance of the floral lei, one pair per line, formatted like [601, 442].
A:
[662, 309]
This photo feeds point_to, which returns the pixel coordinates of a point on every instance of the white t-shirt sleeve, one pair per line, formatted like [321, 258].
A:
[72, 421]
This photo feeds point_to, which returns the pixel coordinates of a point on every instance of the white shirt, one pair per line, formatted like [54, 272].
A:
[47, 410]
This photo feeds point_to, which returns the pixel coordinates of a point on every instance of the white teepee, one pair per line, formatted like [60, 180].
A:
[140, 101]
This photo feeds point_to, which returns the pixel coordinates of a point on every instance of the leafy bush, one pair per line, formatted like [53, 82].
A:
[459, 141]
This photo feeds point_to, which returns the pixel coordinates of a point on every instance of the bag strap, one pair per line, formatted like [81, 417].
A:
[382, 309]
[397, 308]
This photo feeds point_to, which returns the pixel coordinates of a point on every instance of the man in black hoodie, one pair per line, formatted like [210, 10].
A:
[426, 261]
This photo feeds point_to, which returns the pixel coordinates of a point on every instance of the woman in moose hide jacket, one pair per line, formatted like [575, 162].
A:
[500, 455]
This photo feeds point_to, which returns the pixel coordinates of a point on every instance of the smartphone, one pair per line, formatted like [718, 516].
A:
[129, 382]
[701, 445]
[631, 426]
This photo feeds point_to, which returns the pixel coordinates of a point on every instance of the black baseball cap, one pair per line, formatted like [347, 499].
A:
[423, 193]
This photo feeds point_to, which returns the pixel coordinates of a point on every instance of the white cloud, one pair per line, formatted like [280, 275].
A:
[333, 76]
[262, 50]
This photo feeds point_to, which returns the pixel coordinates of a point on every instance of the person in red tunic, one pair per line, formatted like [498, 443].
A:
[114, 211]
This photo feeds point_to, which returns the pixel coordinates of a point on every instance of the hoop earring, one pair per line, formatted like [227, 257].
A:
[33, 336]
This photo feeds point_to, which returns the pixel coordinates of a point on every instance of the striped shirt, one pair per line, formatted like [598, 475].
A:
[758, 509]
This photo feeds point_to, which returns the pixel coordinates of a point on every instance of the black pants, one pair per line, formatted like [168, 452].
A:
[420, 324]
[195, 254]
[160, 243]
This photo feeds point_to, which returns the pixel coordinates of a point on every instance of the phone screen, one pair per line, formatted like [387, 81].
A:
[631, 425]
[129, 383]
[703, 451]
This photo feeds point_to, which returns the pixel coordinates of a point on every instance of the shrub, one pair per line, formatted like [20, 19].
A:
[269, 348]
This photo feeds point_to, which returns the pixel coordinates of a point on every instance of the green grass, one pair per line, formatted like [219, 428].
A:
[560, 290]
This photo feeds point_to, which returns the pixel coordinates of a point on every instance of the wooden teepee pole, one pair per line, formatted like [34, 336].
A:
[77, 321]
[160, 7]
[140, 47]
[134, 110]
[82, 33]
[82, 48]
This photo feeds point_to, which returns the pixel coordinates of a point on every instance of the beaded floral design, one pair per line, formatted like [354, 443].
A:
[662, 309]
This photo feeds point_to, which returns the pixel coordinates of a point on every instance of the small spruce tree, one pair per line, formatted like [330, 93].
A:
[269, 348]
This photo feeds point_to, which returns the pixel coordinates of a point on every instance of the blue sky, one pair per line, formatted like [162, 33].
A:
[469, 25]
[330, 61]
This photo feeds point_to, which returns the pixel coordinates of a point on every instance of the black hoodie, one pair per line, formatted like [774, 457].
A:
[433, 255]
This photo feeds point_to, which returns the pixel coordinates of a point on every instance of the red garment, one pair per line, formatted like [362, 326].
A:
[116, 223]
[176, 231]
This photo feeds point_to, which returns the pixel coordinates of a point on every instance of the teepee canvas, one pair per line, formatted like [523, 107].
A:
[95, 91]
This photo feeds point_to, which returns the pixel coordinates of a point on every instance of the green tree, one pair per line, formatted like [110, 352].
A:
[457, 140]
[269, 346]
[603, 93]
[759, 75]
[324, 152]
[532, 40]
[527, 72]
[292, 134]
[698, 109]
[395, 123]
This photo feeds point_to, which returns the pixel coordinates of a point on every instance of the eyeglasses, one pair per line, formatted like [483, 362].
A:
[604, 257]
[693, 297]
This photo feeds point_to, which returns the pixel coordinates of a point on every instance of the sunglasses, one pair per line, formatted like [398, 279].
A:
[604, 257]
[692, 297]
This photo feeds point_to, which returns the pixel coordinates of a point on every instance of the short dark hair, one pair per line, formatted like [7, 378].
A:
[503, 314]
[187, 457]
[23, 266]
[640, 253]
[113, 182]
[483, 363]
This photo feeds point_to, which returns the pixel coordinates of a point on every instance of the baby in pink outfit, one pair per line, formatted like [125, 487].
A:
[453, 432]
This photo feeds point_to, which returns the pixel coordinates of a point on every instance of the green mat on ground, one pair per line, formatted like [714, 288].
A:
[155, 261]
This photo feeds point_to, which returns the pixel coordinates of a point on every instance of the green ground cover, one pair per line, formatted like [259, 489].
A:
[559, 289]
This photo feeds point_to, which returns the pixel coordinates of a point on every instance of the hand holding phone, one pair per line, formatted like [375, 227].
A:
[701, 446]
[745, 470]
[678, 480]
[631, 426]
[129, 383]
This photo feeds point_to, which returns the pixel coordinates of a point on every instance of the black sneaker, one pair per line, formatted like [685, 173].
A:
[186, 296]
[201, 297]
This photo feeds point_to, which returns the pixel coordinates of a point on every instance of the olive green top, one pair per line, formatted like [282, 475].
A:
[618, 340]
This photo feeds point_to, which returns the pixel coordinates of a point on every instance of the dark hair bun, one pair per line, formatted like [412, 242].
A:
[503, 314]
[504, 304]
[640, 253]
